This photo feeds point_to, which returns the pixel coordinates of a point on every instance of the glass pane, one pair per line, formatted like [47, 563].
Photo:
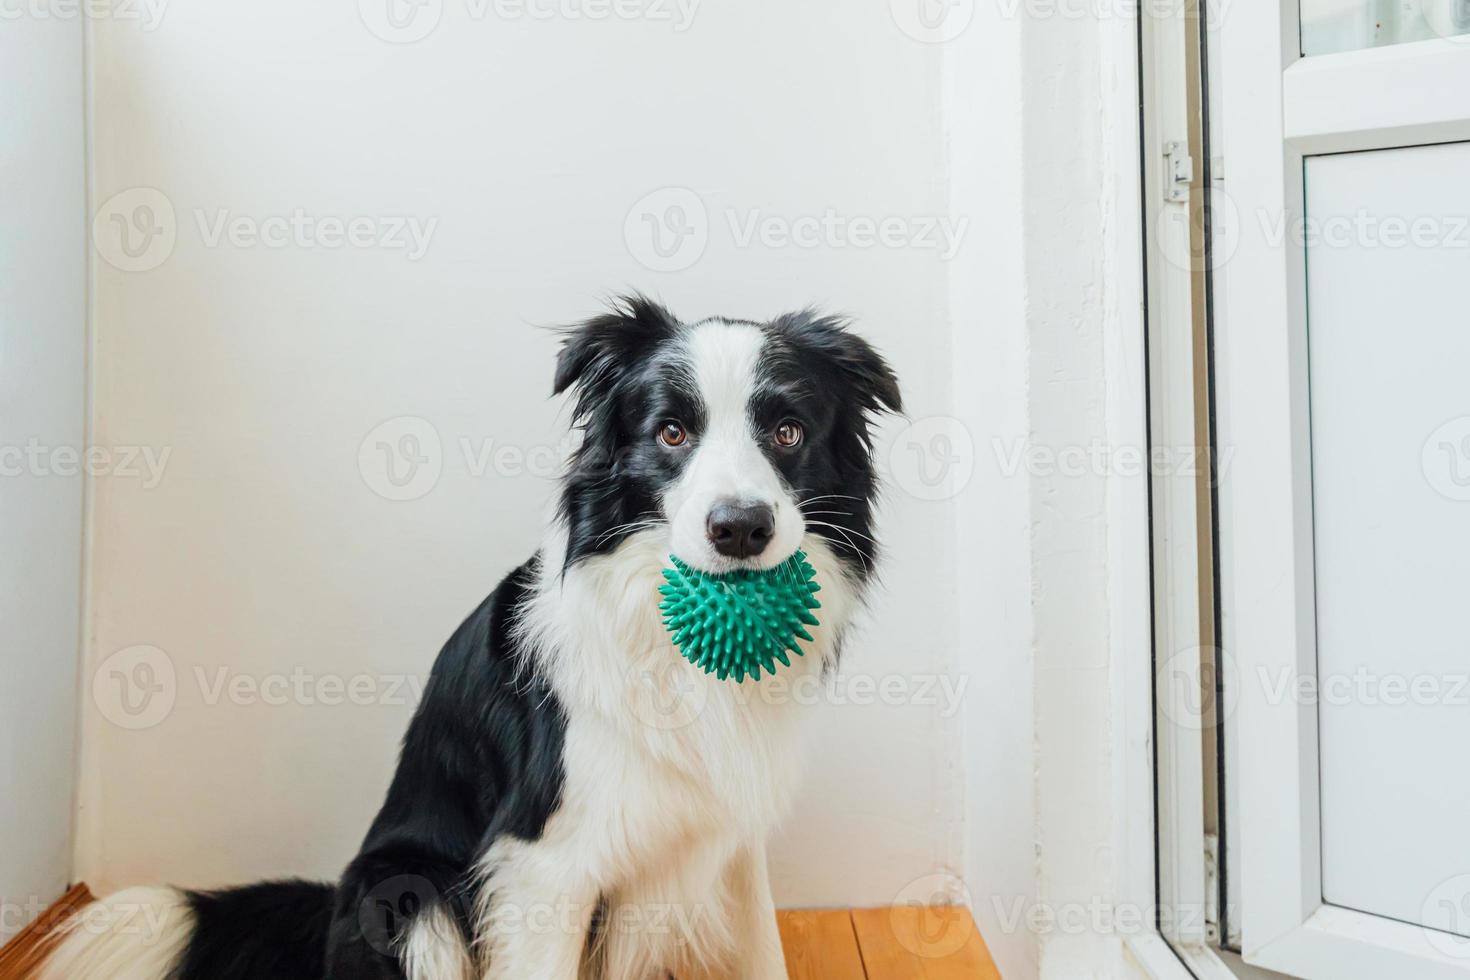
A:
[1390, 454]
[1346, 25]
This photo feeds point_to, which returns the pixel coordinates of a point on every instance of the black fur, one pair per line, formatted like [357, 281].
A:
[628, 379]
[229, 926]
[834, 383]
[482, 758]
[483, 755]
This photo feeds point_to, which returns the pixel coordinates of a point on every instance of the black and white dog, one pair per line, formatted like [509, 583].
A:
[574, 799]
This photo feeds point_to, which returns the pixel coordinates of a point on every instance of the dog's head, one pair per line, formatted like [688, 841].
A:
[734, 439]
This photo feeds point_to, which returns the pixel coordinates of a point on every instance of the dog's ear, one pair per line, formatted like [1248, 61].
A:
[856, 362]
[596, 350]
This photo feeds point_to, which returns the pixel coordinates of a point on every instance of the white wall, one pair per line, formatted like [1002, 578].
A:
[992, 379]
[1048, 343]
[257, 372]
[42, 411]
[267, 547]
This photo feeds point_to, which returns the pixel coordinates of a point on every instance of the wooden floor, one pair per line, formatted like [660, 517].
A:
[843, 944]
[904, 943]
[20, 957]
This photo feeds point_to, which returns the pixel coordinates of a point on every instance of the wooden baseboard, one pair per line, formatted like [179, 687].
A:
[842, 944]
[20, 957]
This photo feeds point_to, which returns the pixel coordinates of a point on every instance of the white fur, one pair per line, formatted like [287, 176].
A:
[136, 934]
[727, 462]
[673, 781]
[435, 950]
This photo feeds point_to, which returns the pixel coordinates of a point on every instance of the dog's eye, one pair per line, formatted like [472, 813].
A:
[672, 434]
[788, 434]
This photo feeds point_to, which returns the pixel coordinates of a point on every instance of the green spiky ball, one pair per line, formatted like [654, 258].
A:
[741, 622]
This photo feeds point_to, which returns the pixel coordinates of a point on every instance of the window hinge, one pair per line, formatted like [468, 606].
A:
[1212, 889]
[1178, 172]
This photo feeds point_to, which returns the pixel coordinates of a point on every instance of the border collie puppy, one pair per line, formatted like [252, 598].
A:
[574, 799]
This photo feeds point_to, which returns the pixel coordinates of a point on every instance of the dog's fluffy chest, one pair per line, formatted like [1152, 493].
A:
[655, 746]
[699, 753]
[671, 779]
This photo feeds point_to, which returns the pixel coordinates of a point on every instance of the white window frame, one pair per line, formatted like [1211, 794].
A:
[1182, 881]
[1281, 108]
[1130, 600]
[1183, 948]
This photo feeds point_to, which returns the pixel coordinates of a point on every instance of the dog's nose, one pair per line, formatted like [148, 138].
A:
[741, 530]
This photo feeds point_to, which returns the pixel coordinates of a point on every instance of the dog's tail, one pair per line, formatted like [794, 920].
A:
[275, 929]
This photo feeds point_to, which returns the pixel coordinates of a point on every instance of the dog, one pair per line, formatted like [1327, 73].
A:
[574, 800]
